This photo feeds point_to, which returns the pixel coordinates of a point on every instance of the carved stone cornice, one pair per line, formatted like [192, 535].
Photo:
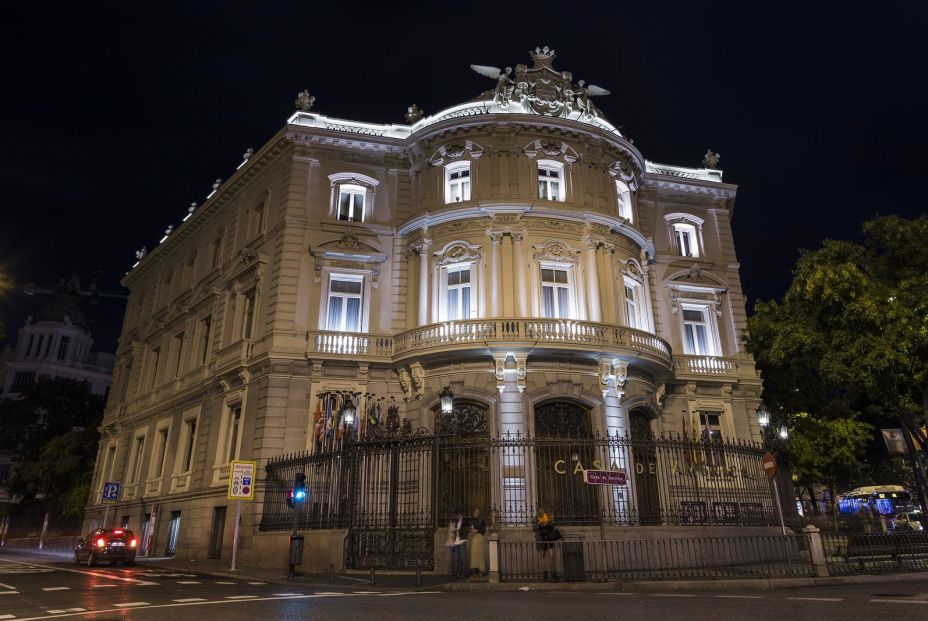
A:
[556, 251]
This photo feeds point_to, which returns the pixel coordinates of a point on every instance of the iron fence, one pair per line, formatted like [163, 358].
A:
[753, 556]
[871, 553]
[671, 481]
[395, 490]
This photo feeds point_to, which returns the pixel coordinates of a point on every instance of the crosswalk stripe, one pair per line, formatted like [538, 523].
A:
[240, 596]
[187, 600]
[898, 601]
[816, 599]
[9, 592]
[257, 583]
[132, 604]
[740, 596]
[188, 582]
[221, 582]
[104, 586]
[56, 588]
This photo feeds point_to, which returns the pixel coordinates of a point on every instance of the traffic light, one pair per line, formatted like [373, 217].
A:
[299, 489]
[290, 498]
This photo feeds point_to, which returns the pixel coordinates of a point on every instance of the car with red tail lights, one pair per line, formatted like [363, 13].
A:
[107, 544]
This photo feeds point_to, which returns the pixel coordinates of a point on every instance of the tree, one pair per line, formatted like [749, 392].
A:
[6, 283]
[849, 341]
[52, 430]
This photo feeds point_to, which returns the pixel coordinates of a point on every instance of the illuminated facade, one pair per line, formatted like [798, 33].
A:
[517, 248]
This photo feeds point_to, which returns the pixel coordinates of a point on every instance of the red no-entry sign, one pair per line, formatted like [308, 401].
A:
[769, 462]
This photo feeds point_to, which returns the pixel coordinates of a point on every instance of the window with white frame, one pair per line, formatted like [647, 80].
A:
[351, 199]
[457, 292]
[710, 426]
[137, 450]
[160, 453]
[555, 292]
[633, 304]
[248, 314]
[625, 200]
[457, 182]
[343, 309]
[189, 440]
[686, 239]
[550, 181]
[699, 331]
[233, 432]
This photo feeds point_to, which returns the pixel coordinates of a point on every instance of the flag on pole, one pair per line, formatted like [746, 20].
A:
[318, 421]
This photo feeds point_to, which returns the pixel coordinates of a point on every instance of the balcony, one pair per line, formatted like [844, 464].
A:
[153, 487]
[180, 482]
[706, 367]
[235, 354]
[221, 474]
[130, 491]
[352, 344]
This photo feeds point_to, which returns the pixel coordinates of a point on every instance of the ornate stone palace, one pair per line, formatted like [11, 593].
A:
[516, 249]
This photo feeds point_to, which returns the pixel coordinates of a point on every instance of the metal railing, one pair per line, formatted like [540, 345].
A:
[872, 553]
[751, 556]
[671, 481]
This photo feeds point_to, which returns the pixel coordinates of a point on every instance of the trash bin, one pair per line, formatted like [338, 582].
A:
[572, 561]
[296, 549]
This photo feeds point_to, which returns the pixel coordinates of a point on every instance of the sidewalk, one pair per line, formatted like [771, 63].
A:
[406, 581]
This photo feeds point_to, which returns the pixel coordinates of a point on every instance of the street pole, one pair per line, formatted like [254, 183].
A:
[238, 519]
[293, 531]
[776, 493]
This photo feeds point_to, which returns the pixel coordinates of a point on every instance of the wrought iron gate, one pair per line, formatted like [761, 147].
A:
[391, 515]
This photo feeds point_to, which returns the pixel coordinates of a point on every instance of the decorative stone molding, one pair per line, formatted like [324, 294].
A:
[455, 150]
[520, 373]
[457, 251]
[698, 285]
[556, 251]
[500, 373]
[418, 379]
[551, 148]
[405, 383]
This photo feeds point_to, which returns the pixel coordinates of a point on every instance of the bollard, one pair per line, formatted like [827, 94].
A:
[372, 575]
[418, 576]
[817, 551]
[331, 573]
[494, 558]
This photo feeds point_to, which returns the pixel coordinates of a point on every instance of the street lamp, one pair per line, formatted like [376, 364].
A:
[447, 400]
[348, 413]
[784, 433]
[763, 416]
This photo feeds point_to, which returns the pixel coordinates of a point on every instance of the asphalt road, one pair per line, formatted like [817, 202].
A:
[31, 590]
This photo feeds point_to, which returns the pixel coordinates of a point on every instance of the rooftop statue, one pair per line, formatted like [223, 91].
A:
[711, 160]
[304, 101]
[541, 89]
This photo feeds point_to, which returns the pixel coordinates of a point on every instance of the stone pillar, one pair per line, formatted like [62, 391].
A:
[494, 293]
[518, 258]
[424, 282]
[817, 551]
[594, 305]
[494, 558]
[610, 307]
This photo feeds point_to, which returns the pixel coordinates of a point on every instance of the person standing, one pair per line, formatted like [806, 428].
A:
[478, 544]
[457, 542]
[546, 534]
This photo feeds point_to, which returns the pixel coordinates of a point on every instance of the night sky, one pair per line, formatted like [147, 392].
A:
[113, 118]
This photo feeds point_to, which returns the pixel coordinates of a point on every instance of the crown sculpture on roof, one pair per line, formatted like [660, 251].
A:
[540, 88]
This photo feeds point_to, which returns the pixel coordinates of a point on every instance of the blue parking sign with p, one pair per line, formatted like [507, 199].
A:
[110, 492]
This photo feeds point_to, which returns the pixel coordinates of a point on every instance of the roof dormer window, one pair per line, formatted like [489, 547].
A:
[457, 182]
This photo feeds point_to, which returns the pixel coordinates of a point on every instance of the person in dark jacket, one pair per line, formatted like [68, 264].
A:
[546, 534]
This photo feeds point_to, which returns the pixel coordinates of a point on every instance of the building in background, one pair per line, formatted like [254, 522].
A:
[57, 342]
[516, 249]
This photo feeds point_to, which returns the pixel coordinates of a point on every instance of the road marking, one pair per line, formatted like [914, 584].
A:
[98, 574]
[7, 616]
[241, 596]
[673, 595]
[179, 604]
[64, 610]
[286, 594]
[187, 600]
[103, 586]
[367, 592]
[329, 593]
[188, 582]
[898, 601]
[616, 593]
[221, 582]
[9, 592]
[817, 599]
[410, 593]
[739, 596]
[257, 583]
[56, 588]
[132, 604]
[7, 586]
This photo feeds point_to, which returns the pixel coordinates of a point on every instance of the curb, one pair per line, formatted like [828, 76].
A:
[755, 584]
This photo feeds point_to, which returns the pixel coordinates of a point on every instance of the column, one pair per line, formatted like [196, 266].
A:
[610, 308]
[507, 288]
[493, 293]
[594, 305]
[518, 258]
[424, 282]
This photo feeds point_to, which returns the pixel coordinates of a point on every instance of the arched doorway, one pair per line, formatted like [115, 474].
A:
[564, 447]
[463, 460]
[644, 458]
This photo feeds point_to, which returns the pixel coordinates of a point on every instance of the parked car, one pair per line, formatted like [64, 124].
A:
[911, 521]
[105, 544]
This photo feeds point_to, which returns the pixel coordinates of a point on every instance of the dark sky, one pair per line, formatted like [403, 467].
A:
[114, 117]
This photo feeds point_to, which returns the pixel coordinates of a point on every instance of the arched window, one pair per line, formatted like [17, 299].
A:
[564, 448]
[625, 201]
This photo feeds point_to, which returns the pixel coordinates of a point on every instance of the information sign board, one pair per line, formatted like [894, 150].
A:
[604, 477]
[242, 480]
